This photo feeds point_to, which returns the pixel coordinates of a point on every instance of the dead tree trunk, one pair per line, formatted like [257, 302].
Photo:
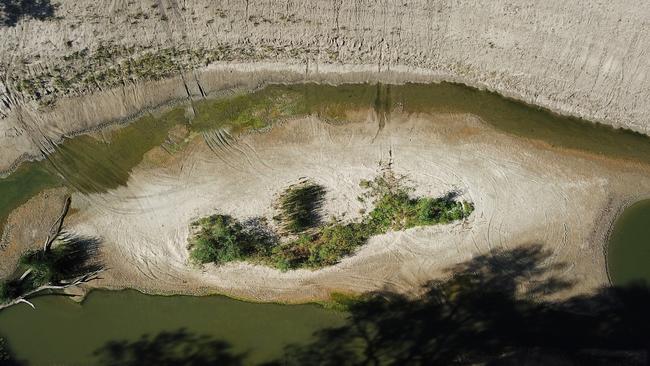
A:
[55, 230]
[73, 282]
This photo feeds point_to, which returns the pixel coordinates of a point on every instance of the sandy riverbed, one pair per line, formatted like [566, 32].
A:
[524, 193]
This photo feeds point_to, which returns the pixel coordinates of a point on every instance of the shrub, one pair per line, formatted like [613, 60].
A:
[222, 239]
[42, 266]
[390, 212]
[293, 254]
[337, 241]
[70, 257]
[396, 210]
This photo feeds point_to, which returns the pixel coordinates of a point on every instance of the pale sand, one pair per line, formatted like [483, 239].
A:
[524, 194]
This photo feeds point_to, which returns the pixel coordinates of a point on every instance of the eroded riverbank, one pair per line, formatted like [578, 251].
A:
[579, 58]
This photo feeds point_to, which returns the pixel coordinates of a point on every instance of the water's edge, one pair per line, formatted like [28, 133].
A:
[326, 78]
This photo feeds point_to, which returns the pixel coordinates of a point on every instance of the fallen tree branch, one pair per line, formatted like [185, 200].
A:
[26, 302]
[74, 282]
[55, 230]
[27, 272]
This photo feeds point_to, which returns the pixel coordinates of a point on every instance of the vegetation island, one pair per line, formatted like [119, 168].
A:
[304, 240]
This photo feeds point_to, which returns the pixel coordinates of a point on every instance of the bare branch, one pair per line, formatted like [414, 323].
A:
[74, 282]
[27, 272]
[55, 230]
[26, 302]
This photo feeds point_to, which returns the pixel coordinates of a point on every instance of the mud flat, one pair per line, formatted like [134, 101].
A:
[524, 194]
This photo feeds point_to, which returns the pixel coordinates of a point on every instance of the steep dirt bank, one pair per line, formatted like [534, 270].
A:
[39, 130]
[581, 57]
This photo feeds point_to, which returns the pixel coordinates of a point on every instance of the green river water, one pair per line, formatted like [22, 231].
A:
[102, 161]
[259, 332]
[629, 247]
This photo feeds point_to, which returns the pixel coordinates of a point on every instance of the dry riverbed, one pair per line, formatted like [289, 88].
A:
[525, 194]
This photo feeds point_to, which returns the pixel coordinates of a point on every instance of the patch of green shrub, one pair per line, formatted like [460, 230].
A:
[63, 261]
[336, 241]
[292, 254]
[342, 301]
[222, 239]
[395, 209]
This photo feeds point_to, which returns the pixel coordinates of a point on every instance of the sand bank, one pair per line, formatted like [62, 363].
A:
[524, 193]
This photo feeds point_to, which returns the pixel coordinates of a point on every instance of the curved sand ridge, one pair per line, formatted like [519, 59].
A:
[524, 195]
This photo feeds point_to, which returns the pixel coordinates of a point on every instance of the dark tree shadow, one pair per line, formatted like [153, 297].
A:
[11, 11]
[79, 255]
[482, 315]
[7, 357]
[74, 257]
[169, 349]
[488, 312]
[73, 260]
[301, 206]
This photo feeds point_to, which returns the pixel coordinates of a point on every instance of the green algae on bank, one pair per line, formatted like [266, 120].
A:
[26, 182]
[88, 163]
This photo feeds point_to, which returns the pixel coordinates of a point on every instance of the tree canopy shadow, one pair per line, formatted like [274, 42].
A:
[178, 347]
[7, 357]
[487, 312]
[75, 256]
[73, 260]
[483, 314]
[11, 11]
[301, 206]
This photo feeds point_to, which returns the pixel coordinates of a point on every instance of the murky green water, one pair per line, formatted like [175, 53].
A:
[629, 249]
[61, 332]
[104, 161]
